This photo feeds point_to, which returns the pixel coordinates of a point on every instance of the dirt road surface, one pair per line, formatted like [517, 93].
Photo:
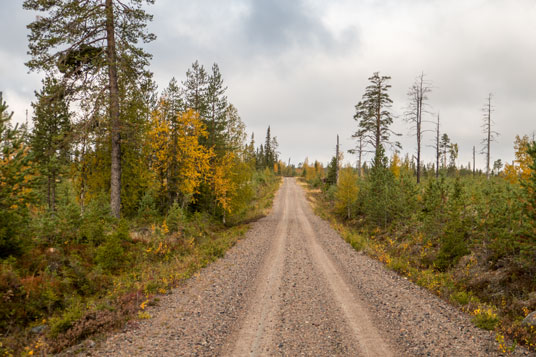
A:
[293, 287]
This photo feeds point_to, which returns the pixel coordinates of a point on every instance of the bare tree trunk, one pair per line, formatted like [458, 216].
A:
[420, 95]
[438, 153]
[489, 137]
[419, 142]
[474, 157]
[378, 123]
[115, 179]
[337, 161]
[359, 162]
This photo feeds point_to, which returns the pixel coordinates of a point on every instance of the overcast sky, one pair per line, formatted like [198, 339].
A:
[300, 66]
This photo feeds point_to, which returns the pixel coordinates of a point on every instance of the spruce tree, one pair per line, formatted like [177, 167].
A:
[49, 139]
[89, 43]
[217, 119]
[195, 89]
[269, 159]
[172, 105]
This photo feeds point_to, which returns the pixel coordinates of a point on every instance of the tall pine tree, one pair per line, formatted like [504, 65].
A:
[89, 42]
[49, 139]
[374, 116]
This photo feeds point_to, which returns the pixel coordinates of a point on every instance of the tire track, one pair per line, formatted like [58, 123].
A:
[257, 329]
[365, 334]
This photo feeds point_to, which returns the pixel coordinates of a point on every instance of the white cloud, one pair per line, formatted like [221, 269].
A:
[301, 66]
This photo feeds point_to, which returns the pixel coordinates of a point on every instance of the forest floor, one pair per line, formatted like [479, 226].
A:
[293, 286]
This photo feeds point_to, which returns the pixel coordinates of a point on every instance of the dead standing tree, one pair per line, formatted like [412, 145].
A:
[490, 135]
[437, 146]
[359, 151]
[418, 95]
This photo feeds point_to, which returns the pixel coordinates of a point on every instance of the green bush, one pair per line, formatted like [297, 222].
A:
[175, 218]
[66, 320]
[96, 221]
[147, 210]
[111, 255]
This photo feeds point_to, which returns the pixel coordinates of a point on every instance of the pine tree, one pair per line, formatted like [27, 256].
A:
[49, 139]
[89, 43]
[373, 113]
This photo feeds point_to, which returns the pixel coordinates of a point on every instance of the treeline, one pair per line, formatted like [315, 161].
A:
[466, 235]
[117, 191]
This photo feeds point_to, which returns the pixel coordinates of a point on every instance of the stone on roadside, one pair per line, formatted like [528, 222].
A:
[530, 320]
[38, 329]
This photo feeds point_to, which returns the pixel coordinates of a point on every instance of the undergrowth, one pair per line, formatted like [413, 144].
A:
[69, 287]
[464, 275]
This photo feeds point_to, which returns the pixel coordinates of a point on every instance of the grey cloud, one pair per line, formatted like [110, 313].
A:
[277, 25]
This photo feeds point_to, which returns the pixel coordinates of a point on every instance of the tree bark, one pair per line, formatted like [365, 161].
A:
[115, 178]
[489, 137]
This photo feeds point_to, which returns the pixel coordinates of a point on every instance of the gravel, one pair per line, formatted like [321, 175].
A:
[292, 287]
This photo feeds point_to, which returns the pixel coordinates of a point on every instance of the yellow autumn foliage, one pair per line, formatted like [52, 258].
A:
[178, 144]
[222, 181]
[347, 190]
[519, 169]
[395, 165]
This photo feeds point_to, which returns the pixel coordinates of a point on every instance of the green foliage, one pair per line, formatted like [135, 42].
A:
[61, 323]
[373, 113]
[111, 255]
[485, 318]
[16, 176]
[96, 221]
[454, 242]
[147, 210]
[331, 178]
[49, 138]
[175, 218]
[379, 192]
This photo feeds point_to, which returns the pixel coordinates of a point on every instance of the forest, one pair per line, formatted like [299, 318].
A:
[467, 235]
[115, 192]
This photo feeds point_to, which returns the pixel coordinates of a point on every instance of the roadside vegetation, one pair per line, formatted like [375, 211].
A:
[466, 235]
[115, 192]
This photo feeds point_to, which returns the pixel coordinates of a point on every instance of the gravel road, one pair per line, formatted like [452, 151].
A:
[293, 287]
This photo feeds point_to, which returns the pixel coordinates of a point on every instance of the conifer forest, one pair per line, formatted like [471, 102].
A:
[117, 191]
